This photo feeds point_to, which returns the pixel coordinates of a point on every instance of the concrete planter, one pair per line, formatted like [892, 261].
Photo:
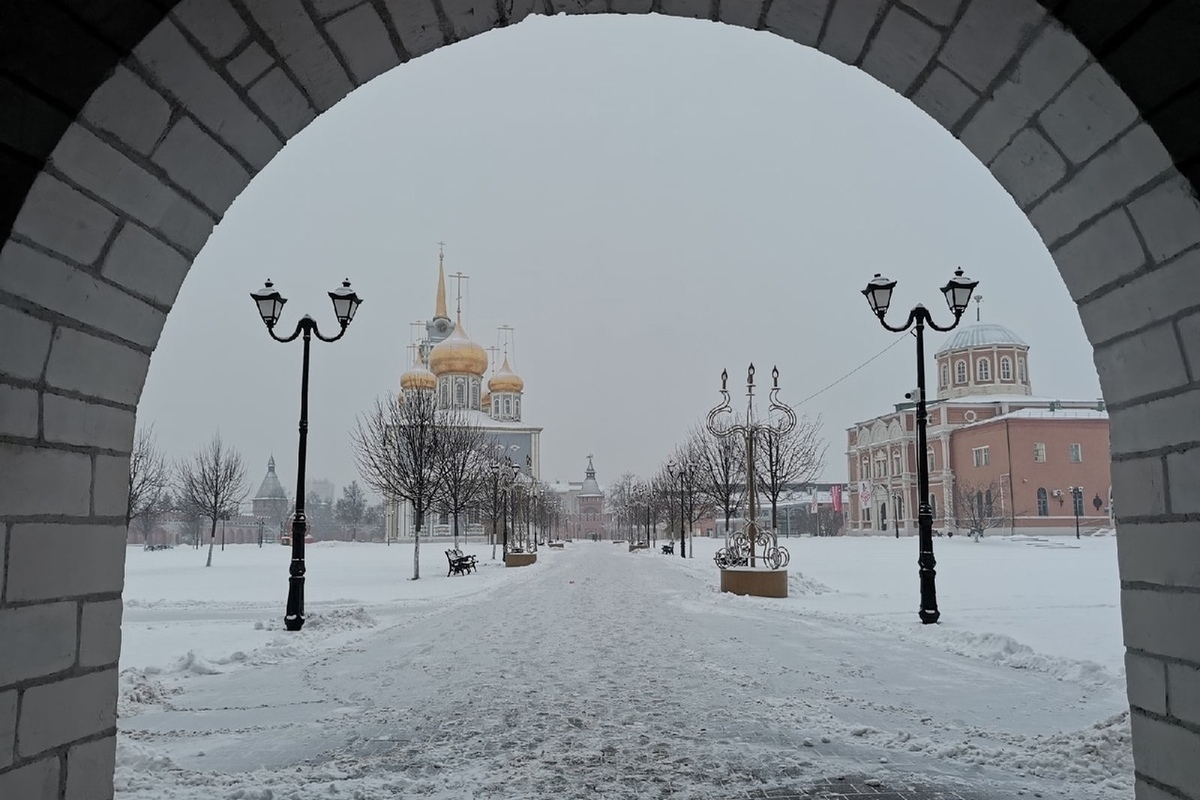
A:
[755, 582]
[556, 545]
[633, 547]
[519, 559]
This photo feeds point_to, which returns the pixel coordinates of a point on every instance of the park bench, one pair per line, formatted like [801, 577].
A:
[460, 564]
[668, 549]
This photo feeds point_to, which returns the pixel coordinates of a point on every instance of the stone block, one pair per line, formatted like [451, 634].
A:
[50, 560]
[944, 97]
[90, 768]
[1103, 252]
[96, 367]
[1168, 217]
[214, 23]
[1189, 332]
[1146, 791]
[100, 633]
[798, 20]
[939, 12]
[1161, 623]
[100, 169]
[55, 714]
[1147, 682]
[1029, 167]
[901, 50]
[38, 640]
[1183, 689]
[1154, 295]
[126, 106]
[24, 362]
[282, 102]
[1049, 63]
[1141, 483]
[471, 17]
[1128, 164]
[1155, 424]
[850, 21]
[193, 82]
[1089, 114]
[1183, 477]
[36, 781]
[363, 40]
[3, 569]
[42, 481]
[197, 163]
[644, 6]
[416, 24]
[1148, 363]
[8, 728]
[743, 13]
[986, 38]
[110, 486]
[687, 9]
[1165, 752]
[85, 424]
[18, 411]
[145, 264]
[50, 283]
[250, 63]
[328, 8]
[63, 219]
[297, 39]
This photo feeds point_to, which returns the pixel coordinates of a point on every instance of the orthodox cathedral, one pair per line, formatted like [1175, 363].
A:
[449, 363]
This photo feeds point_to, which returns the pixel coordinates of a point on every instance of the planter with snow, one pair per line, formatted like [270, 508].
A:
[519, 559]
[755, 581]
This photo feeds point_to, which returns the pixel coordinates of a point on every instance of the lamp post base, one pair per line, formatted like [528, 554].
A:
[929, 617]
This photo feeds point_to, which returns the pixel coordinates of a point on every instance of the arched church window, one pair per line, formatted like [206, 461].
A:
[474, 394]
[1006, 369]
[960, 372]
[896, 463]
[508, 406]
[460, 392]
[1043, 502]
[983, 370]
[445, 394]
[945, 374]
[930, 460]
[517, 407]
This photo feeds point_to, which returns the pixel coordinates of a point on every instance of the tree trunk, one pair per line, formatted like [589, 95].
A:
[775, 514]
[416, 548]
[212, 541]
[455, 530]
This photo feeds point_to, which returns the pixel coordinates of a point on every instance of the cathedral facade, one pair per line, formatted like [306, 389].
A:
[998, 455]
[451, 365]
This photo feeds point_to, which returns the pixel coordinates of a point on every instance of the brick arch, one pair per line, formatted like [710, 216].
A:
[130, 127]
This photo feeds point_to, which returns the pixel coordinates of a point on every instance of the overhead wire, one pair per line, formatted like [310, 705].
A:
[848, 374]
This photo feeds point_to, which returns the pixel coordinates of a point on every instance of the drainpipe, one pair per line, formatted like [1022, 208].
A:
[1012, 499]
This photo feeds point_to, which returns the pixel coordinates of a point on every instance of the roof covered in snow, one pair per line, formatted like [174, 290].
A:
[981, 334]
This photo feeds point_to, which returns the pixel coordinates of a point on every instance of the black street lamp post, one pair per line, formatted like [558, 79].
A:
[896, 514]
[270, 306]
[1076, 504]
[958, 294]
[682, 475]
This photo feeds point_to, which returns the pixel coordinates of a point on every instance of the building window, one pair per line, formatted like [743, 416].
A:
[945, 374]
[1006, 369]
[517, 408]
[930, 460]
[474, 394]
[867, 514]
[1039, 452]
[863, 470]
[987, 505]
[445, 394]
[460, 393]
[507, 406]
[960, 372]
[883, 516]
[1021, 370]
[981, 456]
[1043, 501]
[979, 506]
[933, 506]
[983, 370]
[1075, 452]
[899, 507]
[895, 463]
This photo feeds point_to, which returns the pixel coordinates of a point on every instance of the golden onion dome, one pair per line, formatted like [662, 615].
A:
[457, 353]
[506, 380]
[486, 400]
[418, 377]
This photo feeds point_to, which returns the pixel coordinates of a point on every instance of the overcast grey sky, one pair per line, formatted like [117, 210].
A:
[646, 200]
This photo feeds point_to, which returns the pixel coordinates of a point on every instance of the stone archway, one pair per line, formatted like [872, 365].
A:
[130, 127]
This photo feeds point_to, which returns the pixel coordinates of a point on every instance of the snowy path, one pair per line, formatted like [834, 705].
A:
[605, 673]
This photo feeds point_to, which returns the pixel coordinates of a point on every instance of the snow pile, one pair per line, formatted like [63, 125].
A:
[1006, 651]
[339, 619]
[138, 689]
[799, 583]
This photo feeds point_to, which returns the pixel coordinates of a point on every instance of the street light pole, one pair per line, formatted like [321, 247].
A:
[270, 306]
[957, 292]
[1076, 505]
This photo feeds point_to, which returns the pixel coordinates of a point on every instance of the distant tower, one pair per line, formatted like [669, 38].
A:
[271, 502]
[504, 394]
[441, 325]
[591, 505]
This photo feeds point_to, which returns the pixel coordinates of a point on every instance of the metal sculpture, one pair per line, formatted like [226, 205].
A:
[742, 547]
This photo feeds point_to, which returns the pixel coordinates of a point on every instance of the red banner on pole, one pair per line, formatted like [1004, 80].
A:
[836, 495]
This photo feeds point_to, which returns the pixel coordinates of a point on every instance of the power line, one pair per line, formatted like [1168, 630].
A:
[851, 372]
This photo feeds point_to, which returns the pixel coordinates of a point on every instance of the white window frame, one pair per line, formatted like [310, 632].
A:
[981, 456]
[945, 373]
[960, 371]
[1021, 370]
[983, 370]
[1006, 369]
[1039, 452]
[1075, 453]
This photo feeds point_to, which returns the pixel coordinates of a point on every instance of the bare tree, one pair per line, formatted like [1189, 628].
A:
[786, 459]
[696, 503]
[352, 508]
[149, 478]
[621, 500]
[397, 445]
[721, 470]
[212, 484]
[462, 468]
[978, 506]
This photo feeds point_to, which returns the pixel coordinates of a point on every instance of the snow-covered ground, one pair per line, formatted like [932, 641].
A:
[599, 672]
